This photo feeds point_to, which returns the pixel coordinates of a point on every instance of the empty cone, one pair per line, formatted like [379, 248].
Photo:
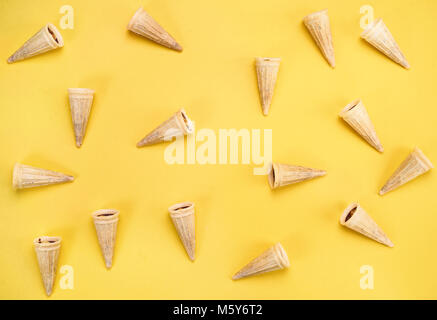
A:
[274, 258]
[318, 25]
[46, 39]
[284, 174]
[413, 166]
[355, 114]
[267, 72]
[378, 35]
[144, 25]
[182, 215]
[106, 221]
[81, 100]
[355, 218]
[28, 177]
[178, 125]
[47, 252]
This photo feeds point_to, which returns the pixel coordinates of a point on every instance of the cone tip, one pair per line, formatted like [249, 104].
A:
[236, 276]
[10, 59]
[140, 144]
[70, 178]
[108, 264]
[177, 47]
[382, 192]
[389, 243]
[48, 292]
[380, 148]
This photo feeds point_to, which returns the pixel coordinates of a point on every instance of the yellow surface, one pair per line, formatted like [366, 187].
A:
[139, 84]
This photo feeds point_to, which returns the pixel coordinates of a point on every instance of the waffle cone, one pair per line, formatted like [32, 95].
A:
[47, 252]
[46, 39]
[182, 215]
[105, 222]
[274, 258]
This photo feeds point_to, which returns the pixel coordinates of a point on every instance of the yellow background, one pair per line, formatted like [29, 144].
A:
[139, 84]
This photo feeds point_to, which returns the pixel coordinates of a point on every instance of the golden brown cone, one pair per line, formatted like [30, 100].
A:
[355, 218]
[182, 215]
[355, 114]
[28, 177]
[106, 221]
[47, 252]
[413, 166]
[318, 25]
[46, 39]
[267, 73]
[178, 125]
[378, 35]
[143, 24]
[81, 100]
[285, 174]
[274, 258]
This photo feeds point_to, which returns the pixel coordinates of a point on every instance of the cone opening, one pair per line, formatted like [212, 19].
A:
[132, 21]
[315, 15]
[182, 208]
[425, 161]
[282, 256]
[82, 91]
[272, 177]
[187, 122]
[105, 214]
[47, 241]
[371, 27]
[55, 35]
[349, 107]
[16, 176]
[261, 60]
[349, 213]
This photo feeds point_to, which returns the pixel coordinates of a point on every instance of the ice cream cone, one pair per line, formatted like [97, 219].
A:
[355, 114]
[106, 221]
[274, 258]
[178, 125]
[285, 174]
[413, 166]
[378, 35]
[182, 215]
[81, 100]
[143, 24]
[28, 177]
[46, 39]
[267, 72]
[355, 218]
[318, 25]
[47, 252]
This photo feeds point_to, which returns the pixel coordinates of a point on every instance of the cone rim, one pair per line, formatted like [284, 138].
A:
[311, 16]
[51, 27]
[272, 176]
[267, 60]
[282, 256]
[81, 91]
[187, 123]
[349, 208]
[371, 27]
[134, 18]
[178, 210]
[15, 175]
[42, 242]
[346, 110]
[105, 215]
[419, 154]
